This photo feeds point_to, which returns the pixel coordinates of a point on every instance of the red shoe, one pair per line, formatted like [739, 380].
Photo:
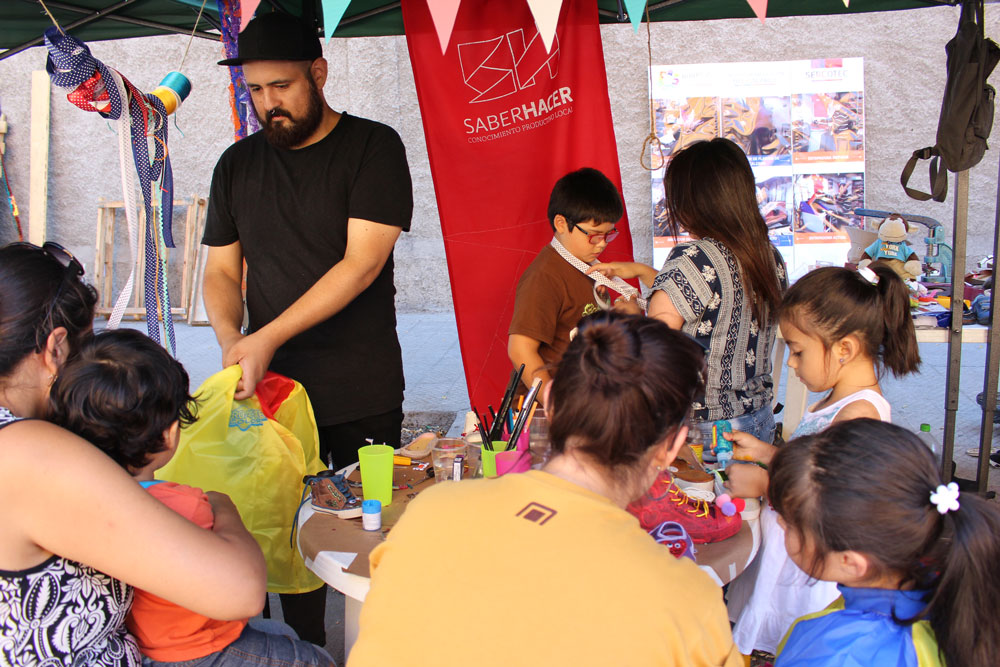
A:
[665, 501]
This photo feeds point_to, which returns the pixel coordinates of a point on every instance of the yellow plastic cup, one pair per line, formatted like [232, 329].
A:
[490, 458]
[376, 472]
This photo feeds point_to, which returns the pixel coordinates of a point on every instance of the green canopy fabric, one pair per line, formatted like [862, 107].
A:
[22, 22]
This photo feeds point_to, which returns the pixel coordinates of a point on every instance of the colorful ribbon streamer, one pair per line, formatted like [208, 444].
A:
[141, 119]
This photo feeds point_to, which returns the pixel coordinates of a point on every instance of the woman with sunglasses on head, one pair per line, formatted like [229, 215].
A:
[76, 531]
[723, 286]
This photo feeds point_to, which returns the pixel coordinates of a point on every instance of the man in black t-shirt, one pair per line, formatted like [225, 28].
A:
[314, 203]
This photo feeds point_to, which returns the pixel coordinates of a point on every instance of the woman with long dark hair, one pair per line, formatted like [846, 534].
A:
[722, 287]
[76, 531]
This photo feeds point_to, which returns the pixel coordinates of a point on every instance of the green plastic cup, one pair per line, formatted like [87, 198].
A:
[376, 473]
[490, 458]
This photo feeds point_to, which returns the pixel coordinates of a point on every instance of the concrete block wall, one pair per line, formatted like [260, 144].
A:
[371, 77]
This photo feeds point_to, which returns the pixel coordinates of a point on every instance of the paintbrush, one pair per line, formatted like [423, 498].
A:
[522, 417]
[508, 398]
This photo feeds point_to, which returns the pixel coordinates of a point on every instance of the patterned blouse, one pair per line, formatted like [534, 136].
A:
[702, 279]
[63, 614]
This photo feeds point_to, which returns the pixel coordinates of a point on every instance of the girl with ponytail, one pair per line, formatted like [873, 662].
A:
[843, 328]
[915, 562]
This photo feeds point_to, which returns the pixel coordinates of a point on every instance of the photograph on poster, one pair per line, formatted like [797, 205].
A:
[801, 124]
[826, 202]
[681, 122]
[828, 128]
[760, 126]
[776, 201]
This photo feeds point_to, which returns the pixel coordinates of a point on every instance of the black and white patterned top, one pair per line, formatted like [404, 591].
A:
[702, 279]
[63, 614]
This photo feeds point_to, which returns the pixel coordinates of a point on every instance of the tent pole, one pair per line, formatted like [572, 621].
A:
[992, 373]
[372, 12]
[953, 375]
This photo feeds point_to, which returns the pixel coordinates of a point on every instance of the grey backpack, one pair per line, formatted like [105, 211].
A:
[967, 109]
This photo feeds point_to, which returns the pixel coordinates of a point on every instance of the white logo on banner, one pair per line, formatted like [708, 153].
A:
[504, 65]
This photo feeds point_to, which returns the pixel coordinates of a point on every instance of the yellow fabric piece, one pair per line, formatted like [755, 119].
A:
[258, 462]
[836, 605]
[926, 646]
[532, 569]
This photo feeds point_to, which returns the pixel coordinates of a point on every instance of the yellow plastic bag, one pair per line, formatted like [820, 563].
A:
[256, 451]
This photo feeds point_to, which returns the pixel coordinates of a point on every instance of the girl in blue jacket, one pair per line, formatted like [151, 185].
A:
[917, 564]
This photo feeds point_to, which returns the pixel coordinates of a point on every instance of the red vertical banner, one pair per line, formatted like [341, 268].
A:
[504, 119]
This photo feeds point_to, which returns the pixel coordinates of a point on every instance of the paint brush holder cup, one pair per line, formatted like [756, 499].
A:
[499, 461]
[490, 457]
[376, 472]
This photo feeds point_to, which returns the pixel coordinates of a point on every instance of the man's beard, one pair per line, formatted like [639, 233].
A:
[293, 131]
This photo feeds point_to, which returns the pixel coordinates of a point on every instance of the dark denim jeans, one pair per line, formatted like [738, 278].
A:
[276, 647]
[759, 424]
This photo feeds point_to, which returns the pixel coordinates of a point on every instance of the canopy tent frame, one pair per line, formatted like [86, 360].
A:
[364, 17]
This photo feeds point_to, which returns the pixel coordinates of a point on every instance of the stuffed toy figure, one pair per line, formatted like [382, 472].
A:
[892, 249]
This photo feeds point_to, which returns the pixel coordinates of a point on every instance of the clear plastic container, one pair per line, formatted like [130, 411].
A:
[929, 439]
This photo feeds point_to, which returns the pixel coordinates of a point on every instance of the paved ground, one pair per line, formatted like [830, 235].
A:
[436, 383]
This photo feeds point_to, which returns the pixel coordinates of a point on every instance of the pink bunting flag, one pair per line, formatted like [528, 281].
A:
[333, 11]
[635, 9]
[546, 15]
[443, 13]
[247, 8]
[759, 8]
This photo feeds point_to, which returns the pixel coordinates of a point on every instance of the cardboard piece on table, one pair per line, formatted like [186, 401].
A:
[729, 557]
[323, 532]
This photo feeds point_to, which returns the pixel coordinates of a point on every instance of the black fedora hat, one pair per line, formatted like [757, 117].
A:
[276, 36]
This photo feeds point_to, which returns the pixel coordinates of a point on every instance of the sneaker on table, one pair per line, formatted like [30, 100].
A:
[331, 494]
[665, 501]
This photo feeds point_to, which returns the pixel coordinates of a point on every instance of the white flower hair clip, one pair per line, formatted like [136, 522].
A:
[868, 275]
[945, 498]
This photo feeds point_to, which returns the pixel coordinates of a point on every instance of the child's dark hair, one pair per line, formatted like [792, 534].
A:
[585, 194]
[833, 302]
[37, 295]
[711, 193]
[623, 385]
[121, 392]
[864, 485]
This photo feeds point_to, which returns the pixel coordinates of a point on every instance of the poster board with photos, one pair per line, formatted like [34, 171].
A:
[802, 126]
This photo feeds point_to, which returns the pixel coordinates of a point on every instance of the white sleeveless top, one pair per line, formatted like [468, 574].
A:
[814, 422]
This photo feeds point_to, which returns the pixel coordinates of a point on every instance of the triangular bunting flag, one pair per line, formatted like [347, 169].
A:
[847, 3]
[247, 8]
[635, 9]
[759, 8]
[546, 15]
[333, 11]
[443, 13]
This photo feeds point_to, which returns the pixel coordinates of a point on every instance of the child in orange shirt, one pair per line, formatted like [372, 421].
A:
[127, 396]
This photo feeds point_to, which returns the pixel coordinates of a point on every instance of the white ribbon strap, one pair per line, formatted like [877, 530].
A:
[616, 284]
[128, 174]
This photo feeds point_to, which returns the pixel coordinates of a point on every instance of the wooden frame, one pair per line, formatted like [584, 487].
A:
[104, 257]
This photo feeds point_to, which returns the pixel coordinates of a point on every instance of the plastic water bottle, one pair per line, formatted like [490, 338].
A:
[929, 440]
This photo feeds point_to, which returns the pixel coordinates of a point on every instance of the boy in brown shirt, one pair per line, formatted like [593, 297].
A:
[553, 294]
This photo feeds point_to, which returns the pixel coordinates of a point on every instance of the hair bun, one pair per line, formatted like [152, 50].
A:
[610, 354]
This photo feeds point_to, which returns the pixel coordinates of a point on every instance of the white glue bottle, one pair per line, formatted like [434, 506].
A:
[371, 514]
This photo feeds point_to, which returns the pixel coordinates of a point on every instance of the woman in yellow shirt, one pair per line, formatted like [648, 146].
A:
[547, 567]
